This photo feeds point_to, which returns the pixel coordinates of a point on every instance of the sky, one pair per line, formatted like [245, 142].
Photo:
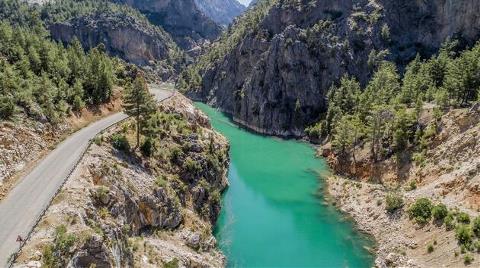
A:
[245, 2]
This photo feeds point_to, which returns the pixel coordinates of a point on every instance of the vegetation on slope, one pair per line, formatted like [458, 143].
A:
[247, 23]
[45, 79]
[60, 11]
[385, 114]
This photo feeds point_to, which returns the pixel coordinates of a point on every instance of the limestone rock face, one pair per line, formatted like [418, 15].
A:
[188, 26]
[276, 78]
[126, 37]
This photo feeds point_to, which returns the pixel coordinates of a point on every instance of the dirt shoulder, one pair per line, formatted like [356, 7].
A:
[24, 142]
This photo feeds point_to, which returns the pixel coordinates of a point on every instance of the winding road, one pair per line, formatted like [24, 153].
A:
[26, 202]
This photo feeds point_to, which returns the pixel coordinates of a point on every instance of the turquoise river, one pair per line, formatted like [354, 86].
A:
[272, 214]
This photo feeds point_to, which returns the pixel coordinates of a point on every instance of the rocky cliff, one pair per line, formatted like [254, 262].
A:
[188, 26]
[121, 209]
[275, 77]
[123, 31]
[221, 11]
[124, 36]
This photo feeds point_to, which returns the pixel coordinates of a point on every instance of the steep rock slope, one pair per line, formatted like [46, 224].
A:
[221, 11]
[119, 209]
[122, 36]
[181, 18]
[123, 31]
[275, 77]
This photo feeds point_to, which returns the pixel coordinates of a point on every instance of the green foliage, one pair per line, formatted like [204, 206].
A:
[192, 166]
[191, 78]
[430, 248]
[468, 259]
[412, 185]
[463, 217]
[147, 147]
[171, 264]
[161, 181]
[139, 103]
[7, 107]
[393, 202]
[464, 234]
[421, 210]
[57, 254]
[439, 212]
[388, 107]
[476, 226]
[450, 221]
[42, 78]
[120, 142]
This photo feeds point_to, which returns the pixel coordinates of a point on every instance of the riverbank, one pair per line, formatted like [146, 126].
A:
[447, 175]
[274, 189]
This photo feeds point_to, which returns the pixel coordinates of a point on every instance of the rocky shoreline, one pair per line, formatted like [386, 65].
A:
[449, 176]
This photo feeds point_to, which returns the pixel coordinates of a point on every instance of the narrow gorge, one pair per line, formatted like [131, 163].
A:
[238, 133]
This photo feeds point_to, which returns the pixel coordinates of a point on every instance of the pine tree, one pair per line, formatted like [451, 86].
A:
[139, 103]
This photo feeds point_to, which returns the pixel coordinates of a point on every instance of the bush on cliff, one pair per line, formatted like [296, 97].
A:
[421, 210]
[393, 202]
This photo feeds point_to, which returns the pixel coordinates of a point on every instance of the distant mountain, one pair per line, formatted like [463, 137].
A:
[221, 11]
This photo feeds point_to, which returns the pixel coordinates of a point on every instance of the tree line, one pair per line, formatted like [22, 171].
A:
[385, 113]
[46, 80]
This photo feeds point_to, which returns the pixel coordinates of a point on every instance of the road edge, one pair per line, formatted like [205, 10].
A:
[13, 257]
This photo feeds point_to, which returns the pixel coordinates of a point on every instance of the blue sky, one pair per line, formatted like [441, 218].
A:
[245, 2]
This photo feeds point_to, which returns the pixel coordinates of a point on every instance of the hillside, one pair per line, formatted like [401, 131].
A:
[123, 209]
[273, 76]
[448, 176]
[188, 26]
[123, 31]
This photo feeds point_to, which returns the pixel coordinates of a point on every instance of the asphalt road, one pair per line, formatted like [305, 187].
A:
[27, 201]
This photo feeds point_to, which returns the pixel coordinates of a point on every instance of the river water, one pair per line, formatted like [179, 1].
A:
[273, 214]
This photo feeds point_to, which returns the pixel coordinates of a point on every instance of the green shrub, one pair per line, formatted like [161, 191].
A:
[476, 226]
[191, 165]
[421, 210]
[476, 245]
[468, 259]
[147, 147]
[161, 181]
[48, 259]
[464, 234]
[171, 264]
[120, 143]
[393, 202]
[449, 221]
[463, 217]
[56, 254]
[7, 107]
[430, 248]
[439, 212]
[98, 140]
[412, 185]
